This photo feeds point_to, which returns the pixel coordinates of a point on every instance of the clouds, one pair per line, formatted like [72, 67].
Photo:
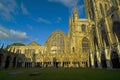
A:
[13, 35]
[43, 20]
[58, 20]
[8, 8]
[24, 9]
[40, 19]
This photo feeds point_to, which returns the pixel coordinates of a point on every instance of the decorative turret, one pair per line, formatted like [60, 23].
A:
[75, 13]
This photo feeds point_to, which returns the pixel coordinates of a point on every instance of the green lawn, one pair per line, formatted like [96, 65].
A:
[62, 74]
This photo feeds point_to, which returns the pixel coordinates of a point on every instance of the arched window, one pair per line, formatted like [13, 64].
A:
[57, 44]
[85, 45]
[112, 17]
[32, 51]
[101, 9]
[83, 28]
[116, 29]
[73, 49]
[119, 2]
[18, 51]
[106, 7]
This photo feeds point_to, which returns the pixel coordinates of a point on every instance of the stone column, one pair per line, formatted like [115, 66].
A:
[33, 64]
[61, 63]
[23, 64]
[15, 63]
[99, 62]
[92, 60]
[108, 60]
[109, 64]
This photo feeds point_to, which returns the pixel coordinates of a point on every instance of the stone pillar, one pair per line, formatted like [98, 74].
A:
[109, 64]
[23, 64]
[61, 64]
[33, 64]
[92, 60]
[108, 59]
[99, 62]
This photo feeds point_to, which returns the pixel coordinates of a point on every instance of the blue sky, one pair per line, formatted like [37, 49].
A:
[34, 20]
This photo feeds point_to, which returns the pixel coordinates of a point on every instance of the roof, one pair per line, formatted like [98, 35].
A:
[33, 43]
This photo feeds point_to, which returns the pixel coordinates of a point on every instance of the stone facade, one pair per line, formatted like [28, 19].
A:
[91, 42]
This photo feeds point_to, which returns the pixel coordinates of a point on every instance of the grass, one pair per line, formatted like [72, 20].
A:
[62, 74]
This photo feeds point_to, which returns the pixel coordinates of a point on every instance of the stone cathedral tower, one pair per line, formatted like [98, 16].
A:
[80, 36]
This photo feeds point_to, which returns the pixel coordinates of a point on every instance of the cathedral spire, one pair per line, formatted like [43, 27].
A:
[75, 13]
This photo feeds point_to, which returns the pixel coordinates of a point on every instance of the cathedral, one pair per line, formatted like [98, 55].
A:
[91, 42]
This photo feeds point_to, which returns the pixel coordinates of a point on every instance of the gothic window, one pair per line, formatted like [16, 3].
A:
[32, 51]
[57, 44]
[101, 9]
[116, 29]
[83, 28]
[26, 51]
[106, 7]
[104, 33]
[40, 51]
[119, 2]
[73, 49]
[112, 18]
[85, 45]
[18, 51]
[29, 51]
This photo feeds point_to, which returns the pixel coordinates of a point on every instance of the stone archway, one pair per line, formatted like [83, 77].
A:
[14, 62]
[55, 62]
[116, 29]
[115, 60]
[1, 59]
[95, 61]
[103, 61]
[90, 65]
[7, 62]
[19, 63]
